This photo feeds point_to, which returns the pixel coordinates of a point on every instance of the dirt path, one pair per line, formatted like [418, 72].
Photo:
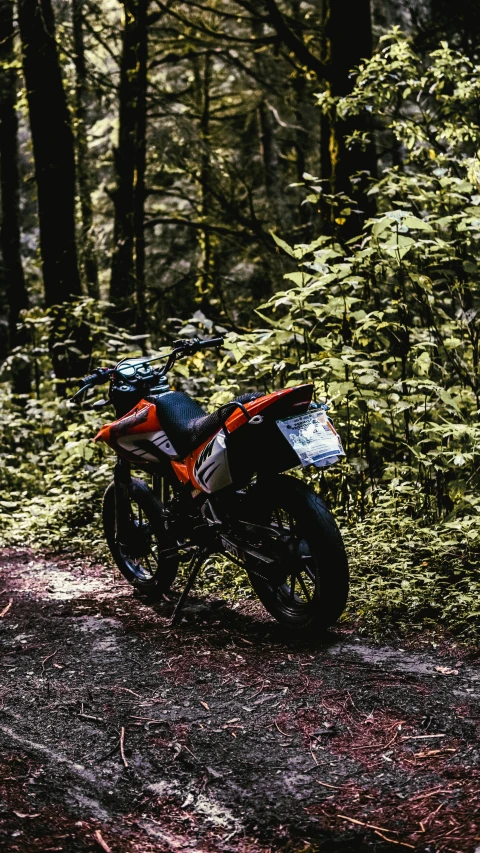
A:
[233, 738]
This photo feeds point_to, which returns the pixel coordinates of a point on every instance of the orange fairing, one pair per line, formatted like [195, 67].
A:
[189, 465]
[256, 406]
[143, 418]
[181, 470]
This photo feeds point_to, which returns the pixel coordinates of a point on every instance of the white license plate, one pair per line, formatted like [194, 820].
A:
[313, 437]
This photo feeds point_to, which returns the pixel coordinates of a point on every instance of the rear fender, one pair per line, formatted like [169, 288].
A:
[243, 449]
[281, 404]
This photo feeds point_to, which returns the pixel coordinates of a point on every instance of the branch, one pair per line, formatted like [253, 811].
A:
[190, 223]
[196, 25]
[292, 41]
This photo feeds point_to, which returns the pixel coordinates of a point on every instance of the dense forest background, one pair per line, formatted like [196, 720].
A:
[302, 176]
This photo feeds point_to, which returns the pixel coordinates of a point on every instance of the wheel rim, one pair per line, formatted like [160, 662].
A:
[141, 555]
[295, 564]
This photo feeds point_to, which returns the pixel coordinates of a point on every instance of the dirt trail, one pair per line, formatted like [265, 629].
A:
[222, 735]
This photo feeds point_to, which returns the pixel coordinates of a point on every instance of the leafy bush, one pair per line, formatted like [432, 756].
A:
[387, 326]
[51, 474]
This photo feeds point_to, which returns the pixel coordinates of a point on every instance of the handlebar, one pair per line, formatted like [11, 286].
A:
[188, 347]
[181, 349]
[195, 344]
[98, 377]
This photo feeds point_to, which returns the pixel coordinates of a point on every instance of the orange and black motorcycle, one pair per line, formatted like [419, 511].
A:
[218, 487]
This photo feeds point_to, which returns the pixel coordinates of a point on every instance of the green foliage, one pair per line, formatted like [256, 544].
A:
[52, 475]
[387, 327]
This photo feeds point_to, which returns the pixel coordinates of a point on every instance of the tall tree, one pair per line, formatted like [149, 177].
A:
[203, 81]
[347, 36]
[53, 150]
[128, 264]
[140, 167]
[345, 47]
[84, 178]
[16, 291]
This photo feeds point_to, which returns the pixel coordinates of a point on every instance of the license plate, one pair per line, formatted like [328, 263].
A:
[313, 437]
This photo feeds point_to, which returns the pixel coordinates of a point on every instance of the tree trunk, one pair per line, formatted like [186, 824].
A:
[346, 46]
[16, 291]
[268, 143]
[140, 167]
[87, 251]
[53, 150]
[206, 277]
[122, 282]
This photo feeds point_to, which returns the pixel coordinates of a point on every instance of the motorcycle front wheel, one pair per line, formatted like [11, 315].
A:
[147, 556]
[305, 584]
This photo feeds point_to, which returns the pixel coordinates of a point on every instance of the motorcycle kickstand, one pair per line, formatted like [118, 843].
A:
[195, 566]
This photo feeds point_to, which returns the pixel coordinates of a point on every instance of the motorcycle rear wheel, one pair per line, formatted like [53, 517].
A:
[149, 558]
[306, 587]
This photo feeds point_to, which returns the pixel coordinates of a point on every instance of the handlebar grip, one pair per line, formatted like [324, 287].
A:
[213, 342]
[98, 377]
[88, 380]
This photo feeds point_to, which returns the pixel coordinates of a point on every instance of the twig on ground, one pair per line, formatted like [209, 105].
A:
[191, 753]
[103, 844]
[455, 829]
[326, 785]
[122, 746]
[369, 825]
[48, 658]
[419, 737]
[432, 793]
[431, 752]
[393, 841]
[305, 686]
[6, 609]
[257, 692]
[148, 721]
[426, 819]
[279, 729]
[91, 718]
[391, 741]
[125, 689]
[108, 754]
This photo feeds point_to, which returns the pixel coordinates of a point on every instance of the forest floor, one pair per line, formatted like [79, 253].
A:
[118, 733]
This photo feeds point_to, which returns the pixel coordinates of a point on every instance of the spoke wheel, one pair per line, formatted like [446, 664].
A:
[145, 553]
[306, 583]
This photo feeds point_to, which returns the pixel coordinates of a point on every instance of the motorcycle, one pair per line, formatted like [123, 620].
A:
[218, 485]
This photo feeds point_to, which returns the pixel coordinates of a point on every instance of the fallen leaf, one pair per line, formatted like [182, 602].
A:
[204, 705]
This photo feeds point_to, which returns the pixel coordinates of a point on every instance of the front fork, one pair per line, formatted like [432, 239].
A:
[122, 479]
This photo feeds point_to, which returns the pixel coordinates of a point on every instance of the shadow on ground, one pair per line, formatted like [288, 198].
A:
[223, 734]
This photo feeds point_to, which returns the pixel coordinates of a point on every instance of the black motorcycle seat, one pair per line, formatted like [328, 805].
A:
[187, 424]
